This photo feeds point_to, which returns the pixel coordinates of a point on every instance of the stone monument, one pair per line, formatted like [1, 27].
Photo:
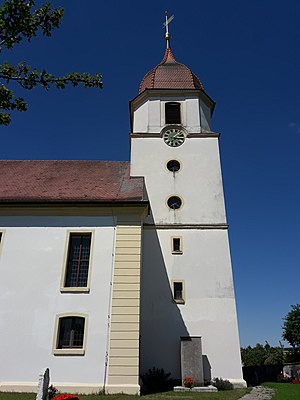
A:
[191, 359]
[44, 379]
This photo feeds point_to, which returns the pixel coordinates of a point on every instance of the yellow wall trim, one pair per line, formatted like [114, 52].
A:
[123, 357]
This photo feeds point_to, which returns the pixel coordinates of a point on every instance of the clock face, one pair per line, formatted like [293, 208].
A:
[174, 137]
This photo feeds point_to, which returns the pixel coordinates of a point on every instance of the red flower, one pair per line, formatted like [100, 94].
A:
[66, 396]
[188, 382]
[296, 381]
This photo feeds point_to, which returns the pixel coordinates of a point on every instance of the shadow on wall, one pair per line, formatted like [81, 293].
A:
[206, 369]
[161, 321]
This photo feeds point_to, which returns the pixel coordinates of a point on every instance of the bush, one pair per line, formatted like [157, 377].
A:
[156, 380]
[222, 384]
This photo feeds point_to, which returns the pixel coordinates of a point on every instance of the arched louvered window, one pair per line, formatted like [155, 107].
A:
[172, 113]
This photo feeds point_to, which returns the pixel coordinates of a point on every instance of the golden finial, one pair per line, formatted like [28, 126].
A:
[166, 25]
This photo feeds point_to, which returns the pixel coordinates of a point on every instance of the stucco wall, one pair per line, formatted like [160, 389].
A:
[31, 263]
[198, 183]
[149, 116]
[209, 309]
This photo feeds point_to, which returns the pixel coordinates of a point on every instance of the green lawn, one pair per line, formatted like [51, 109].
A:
[225, 395]
[285, 391]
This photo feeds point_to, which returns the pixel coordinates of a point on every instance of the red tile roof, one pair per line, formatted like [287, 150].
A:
[170, 74]
[68, 181]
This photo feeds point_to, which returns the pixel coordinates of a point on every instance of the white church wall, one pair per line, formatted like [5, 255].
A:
[149, 115]
[209, 309]
[205, 117]
[200, 164]
[31, 264]
[140, 124]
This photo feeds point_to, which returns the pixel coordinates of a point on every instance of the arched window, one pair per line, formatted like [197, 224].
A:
[172, 113]
[70, 333]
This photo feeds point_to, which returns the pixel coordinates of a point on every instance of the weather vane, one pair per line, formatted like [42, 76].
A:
[166, 25]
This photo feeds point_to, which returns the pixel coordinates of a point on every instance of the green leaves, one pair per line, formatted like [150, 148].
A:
[262, 355]
[28, 77]
[17, 22]
[291, 326]
[7, 103]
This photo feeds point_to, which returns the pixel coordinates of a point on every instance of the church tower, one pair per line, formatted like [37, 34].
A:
[186, 279]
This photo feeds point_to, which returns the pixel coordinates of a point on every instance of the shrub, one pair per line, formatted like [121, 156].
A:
[156, 380]
[222, 384]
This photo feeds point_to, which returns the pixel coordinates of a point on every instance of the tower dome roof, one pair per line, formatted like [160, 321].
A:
[170, 74]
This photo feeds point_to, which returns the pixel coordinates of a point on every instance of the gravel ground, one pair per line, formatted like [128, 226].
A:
[259, 393]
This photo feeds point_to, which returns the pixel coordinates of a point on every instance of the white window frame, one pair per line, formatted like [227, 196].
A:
[180, 251]
[75, 289]
[69, 351]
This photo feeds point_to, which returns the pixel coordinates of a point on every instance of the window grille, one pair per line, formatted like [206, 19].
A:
[71, 332]
[78, 260]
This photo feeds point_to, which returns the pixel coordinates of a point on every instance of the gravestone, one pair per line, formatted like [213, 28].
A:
[44, 379]
[191, 359]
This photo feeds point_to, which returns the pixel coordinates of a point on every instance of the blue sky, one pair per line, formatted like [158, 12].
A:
[247, 55]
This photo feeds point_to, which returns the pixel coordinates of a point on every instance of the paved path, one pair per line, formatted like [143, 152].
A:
[259, 393]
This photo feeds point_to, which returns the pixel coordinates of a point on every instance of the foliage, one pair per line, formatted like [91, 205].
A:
[262, 355]
[292, 356]
[52, 391]
[19, 21]
[284, 391]
[156, 380]
[222, 384]
[291, 326]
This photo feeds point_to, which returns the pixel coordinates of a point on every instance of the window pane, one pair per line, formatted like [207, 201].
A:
[172, 111]
[178, 291]
[176, 244]
[173, 166]
[71, 331]
[78, 260]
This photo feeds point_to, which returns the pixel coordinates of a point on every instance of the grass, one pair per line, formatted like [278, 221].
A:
[224, 395]
[284, 391]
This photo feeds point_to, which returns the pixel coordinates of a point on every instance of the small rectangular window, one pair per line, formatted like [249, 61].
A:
[178, 292]
[176, 245]
[77, 268]
[172, 113]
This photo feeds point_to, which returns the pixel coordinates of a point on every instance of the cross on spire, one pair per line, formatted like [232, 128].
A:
[166, 25]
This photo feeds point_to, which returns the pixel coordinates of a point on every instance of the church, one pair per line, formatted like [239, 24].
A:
[109, 269]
